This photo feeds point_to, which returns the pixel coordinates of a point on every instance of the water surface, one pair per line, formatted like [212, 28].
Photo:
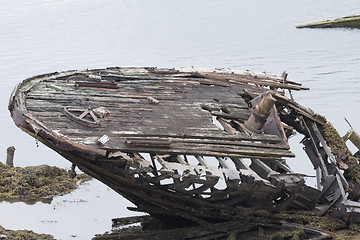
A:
[56, 35]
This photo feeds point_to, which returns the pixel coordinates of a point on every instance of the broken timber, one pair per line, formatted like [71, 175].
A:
[184, 143]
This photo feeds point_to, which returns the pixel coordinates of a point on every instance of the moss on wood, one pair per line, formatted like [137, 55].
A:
[340, 150]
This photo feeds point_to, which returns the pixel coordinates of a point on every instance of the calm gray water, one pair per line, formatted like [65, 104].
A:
[39, 36]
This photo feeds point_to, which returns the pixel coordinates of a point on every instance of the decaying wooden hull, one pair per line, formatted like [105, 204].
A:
[185, 144]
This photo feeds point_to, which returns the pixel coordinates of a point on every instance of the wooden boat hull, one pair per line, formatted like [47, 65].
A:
[149, 134]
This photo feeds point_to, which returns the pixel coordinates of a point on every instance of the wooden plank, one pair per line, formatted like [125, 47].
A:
[208, 135]
[87, 134]
[201, 135]
[162, 83]
[191, 93]
[128, 97]
[245, 79]
[215, 83]
[238, 115]
[199, 149]
[227, 127]
[134, 110]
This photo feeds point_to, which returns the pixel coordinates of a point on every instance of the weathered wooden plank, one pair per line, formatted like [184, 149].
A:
[245, 79]
[243, 115]
[227, 127]
[194, 94]
[215, 83]
[198, 149]
[210, 134]
[137, 111]
[145, 104]
[251, 79]
[202, 131]
[163, 82]
[139, 102]
[85, 135]
[195, 152]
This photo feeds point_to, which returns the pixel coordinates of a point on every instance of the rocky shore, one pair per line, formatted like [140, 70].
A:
[33, 184]
[23, 235]
[36, 183]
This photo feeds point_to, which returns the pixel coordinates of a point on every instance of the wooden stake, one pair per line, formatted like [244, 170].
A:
[10, 156]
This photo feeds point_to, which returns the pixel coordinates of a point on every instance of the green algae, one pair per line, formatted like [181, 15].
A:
[36, 183]
[341, 151]
[345, 22]
[335, 141]
[23, 235]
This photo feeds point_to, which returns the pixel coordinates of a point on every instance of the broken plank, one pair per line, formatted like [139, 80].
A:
[199, 149]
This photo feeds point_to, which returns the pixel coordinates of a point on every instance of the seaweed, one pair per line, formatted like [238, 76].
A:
[23, 235]
[341, 151]
[36, 183]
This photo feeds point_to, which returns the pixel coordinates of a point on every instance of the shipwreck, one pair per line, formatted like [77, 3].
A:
[191, 145]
